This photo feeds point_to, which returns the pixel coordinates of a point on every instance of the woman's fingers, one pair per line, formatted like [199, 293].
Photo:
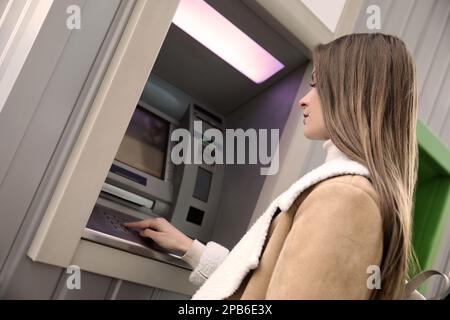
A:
[148, 233]
[163, 233]
[143, 224]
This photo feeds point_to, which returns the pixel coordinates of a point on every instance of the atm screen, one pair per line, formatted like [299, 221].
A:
[144, 146]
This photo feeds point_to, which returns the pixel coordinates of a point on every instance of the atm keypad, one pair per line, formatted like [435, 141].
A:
[116, 222]
[111, 222]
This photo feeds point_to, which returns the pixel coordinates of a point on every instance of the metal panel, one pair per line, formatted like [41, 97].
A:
[397, 16]
[55, 102]
[436, 93]
[124, 290]
[19, 108]
[93, 287]
[419, 17]
[28, 280]
[435, 75]
[427, 49]
[52, 97]
[424, 26]
[168, 295]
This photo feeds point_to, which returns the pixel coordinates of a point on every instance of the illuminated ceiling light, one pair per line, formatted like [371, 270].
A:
[214, 31]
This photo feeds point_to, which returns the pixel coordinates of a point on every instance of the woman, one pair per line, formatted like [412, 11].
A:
[325, 237]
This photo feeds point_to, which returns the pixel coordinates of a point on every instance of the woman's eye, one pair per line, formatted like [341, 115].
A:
[312, 85]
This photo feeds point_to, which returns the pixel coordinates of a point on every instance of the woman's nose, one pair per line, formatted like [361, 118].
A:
[302, 103]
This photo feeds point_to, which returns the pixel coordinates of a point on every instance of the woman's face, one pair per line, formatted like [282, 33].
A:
[314, 125]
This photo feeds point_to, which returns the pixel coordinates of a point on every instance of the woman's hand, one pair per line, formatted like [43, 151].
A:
[163, 233]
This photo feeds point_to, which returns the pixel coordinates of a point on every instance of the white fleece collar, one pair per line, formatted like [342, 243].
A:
[331, 151]
[245, 255]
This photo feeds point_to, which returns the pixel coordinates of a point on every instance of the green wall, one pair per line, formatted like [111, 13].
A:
[432, 197]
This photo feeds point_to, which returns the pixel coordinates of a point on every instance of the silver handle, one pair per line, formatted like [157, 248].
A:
[126, 195]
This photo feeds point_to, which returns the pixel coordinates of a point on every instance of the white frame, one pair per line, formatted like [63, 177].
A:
[20, 39]
[58, 239]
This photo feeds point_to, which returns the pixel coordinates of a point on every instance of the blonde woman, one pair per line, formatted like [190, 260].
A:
[336, 226]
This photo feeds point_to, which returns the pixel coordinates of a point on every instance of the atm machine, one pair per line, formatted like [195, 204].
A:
[187, 83]
[143, 181]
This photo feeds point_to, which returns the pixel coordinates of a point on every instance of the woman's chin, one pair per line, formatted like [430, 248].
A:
[312, 136]
[307, 134]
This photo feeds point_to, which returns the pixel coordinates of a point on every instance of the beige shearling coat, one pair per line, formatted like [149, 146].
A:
[317, 240]
[322, 246]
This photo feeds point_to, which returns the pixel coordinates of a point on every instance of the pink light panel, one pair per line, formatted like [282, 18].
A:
[214, 31]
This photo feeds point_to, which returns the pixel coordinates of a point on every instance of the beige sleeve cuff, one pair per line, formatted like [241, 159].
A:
[194, 253]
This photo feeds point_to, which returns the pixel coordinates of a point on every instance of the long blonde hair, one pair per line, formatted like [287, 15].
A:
[368, 91]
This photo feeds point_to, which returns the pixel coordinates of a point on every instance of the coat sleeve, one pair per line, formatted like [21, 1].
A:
[336, 235]
[204, 259]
